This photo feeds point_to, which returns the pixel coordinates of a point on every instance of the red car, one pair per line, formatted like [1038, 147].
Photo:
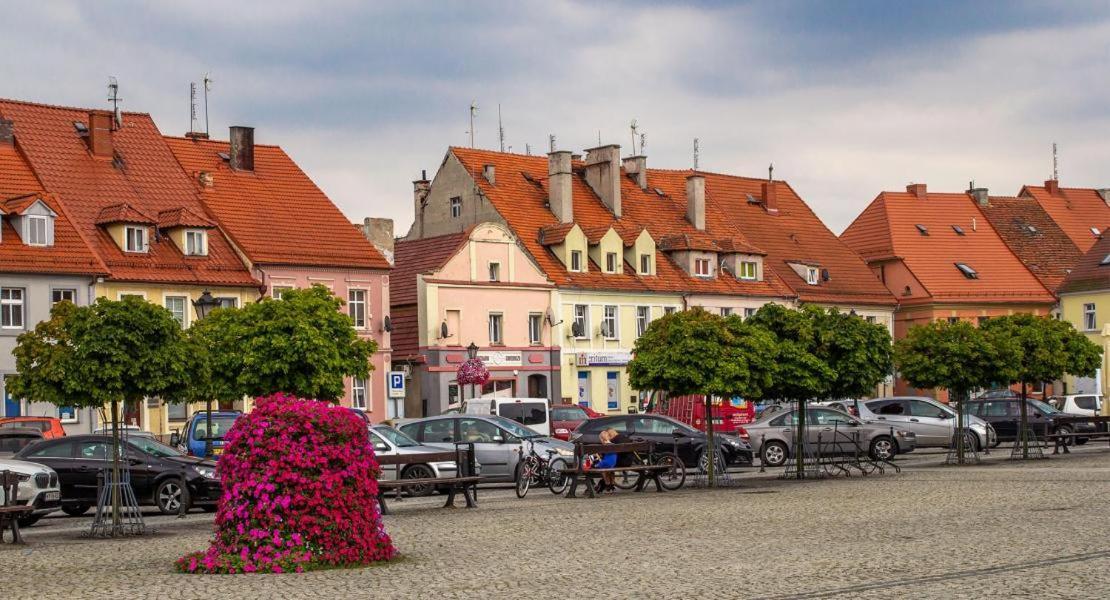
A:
[565, 418]
[50, 427]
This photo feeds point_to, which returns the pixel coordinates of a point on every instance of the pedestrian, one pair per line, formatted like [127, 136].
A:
[610, 460]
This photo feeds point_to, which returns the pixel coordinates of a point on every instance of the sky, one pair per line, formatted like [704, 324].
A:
[845, 98]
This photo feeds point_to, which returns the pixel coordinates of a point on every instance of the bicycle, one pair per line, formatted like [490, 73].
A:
[671, 479]
[546, 471]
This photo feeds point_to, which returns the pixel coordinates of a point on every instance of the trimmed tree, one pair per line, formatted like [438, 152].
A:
[696, 352]
[858, 352]
[102, 354]
[1044, 349]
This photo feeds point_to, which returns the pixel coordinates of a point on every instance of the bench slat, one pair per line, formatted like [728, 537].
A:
[392, 483]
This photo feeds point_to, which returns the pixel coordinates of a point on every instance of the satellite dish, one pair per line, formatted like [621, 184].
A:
[576, 330]
[387, 324]
[550, 316]
[443, 330]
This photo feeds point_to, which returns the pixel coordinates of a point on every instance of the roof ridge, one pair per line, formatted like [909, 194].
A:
[64, 107]
[185, 138]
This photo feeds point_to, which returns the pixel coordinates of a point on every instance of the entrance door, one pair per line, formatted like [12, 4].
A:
[11, 406]
[613, 388]
[584, 388]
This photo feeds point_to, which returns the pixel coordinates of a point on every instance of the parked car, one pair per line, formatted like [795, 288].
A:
[1004, 414]
[124, 431]
[996, 394]
[772, 435]
[848, 406]
[530, 412]
[191, 439]
[14, 439]
[38, 487]
[1078, 404]
[932, 422]
[157, 471]
[565, 418]
[496, 440]
[51, 427]
[729, 416]
[389, 441]
[688, 443]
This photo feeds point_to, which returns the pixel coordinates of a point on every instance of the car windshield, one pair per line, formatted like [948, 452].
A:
[153, 447]
[513, 427]
[396, 437]
[678, 424]
[568, 413]
[220, 426]
[1044, 407]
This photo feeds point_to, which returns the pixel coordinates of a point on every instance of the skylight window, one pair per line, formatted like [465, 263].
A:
[1096, 232]
[967, 271]
[959, 230]
[224, 156]
[659, 192]
[752, 199]
[923, 230]
[80, 127]
[1031, 229]
[1105, 260]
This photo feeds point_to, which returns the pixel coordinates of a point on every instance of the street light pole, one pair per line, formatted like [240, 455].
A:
[204, 306]
[472, 353]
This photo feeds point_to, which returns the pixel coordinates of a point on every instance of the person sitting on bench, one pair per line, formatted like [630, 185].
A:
[610, 460]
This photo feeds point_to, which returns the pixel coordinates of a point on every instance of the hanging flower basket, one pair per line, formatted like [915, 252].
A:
[473, 372]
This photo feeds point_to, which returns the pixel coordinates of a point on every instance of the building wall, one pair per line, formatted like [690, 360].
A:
[1072, 310]
[434, 217]
[737, 304]
[37, 303]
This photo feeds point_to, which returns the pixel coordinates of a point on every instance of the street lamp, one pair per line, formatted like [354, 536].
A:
[204, 306]
[472, 353]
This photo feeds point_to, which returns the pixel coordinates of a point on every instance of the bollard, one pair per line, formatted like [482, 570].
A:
[762, 464]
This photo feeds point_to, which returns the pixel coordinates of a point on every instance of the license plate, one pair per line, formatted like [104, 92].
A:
[53, 496]
[217, 451]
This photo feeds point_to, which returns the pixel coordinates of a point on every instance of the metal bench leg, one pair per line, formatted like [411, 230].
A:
[470, 496]
[640, 483]
[656, 477]
[16, 537]
[572, 492]
[590, 492]
[451, 497]
[382, 506]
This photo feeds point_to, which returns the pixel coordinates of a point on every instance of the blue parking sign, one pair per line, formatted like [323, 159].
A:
[396, 384]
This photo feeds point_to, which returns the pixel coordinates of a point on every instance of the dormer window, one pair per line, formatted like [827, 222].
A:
[812, 275]
[37, 227]
[611, 262]
[576, 260]
[196, 242]
[701, 267]
[645, 264]
[749, 270]
[136, 239]
[495, 271]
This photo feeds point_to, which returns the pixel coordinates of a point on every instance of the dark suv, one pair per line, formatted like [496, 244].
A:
[689, 444]
[1004, 414]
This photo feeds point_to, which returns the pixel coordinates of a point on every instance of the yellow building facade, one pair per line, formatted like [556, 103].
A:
[1089, 313]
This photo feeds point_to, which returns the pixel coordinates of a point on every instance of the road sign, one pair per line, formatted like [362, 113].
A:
[396, 384]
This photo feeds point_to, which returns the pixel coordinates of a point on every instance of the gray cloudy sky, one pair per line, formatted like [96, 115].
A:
[847, 98]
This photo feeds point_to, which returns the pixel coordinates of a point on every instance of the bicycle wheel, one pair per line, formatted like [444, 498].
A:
[557, 482]
[524, 481]
[627, 480]
[675, 476]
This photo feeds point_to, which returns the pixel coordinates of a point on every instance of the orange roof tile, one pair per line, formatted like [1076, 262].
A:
[68, 255]
[416, 257]
[889, 229]
[275, 213]
[554, 234]
[1092, 271]
[122, 213]
[143, 175]
[182, 217]
[1034, 237]
[1075, 210]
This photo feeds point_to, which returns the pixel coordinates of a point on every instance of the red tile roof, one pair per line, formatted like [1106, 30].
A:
[520, 196]
[415, 257]
[1034, 237]
[68, 255]
[888, 229]
[143, 174]
[1092, 272]
[555, 234]
[182, 217]
[275, 214]
[122, 213]
[1075, 210]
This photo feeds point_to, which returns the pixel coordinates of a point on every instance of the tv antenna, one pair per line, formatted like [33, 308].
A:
[207, 87]
[771, 172]
[113, 97]
[1055, 165]
[632, 126]
[500, 128]
[528, 149]
[643, 142]
[192, 107]
[551, 142]
[695, 154]
[473, 111]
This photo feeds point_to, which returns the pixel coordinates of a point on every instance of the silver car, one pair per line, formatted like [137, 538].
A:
[833, 431]
[497, 440]
[388, 441]
[933, 422]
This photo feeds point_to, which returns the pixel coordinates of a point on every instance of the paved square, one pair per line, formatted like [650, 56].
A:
[1034, 529]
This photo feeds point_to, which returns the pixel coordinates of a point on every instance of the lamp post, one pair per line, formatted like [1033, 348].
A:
[472, 353]
[204, 306]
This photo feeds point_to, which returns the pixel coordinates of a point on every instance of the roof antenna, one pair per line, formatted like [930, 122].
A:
[473, 111]
[1055, 172]
[207, 86]
[528, 149]
[632, 126]
[192, 107]
[551, 142]
[695, 154]
[113, 97]
[771, 172]
[643, 142]
[598, 137]
[500, 128]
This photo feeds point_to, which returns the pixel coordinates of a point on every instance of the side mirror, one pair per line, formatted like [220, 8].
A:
[678, 433]
[175, 438]
[131, 460]
[498, 439]
[381, 448]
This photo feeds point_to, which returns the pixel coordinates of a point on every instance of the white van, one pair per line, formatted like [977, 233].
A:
[530, 412]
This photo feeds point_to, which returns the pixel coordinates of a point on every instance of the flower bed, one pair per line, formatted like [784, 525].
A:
[299, 493]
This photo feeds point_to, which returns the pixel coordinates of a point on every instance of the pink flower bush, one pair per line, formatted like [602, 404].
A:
[299, 492]
[473, 371]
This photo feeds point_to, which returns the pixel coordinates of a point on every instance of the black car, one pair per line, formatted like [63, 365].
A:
[14, 439]
[689, 443]
[157, 471]
[1004, 414]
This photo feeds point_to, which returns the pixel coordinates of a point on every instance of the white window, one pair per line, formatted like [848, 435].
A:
[356, 307]
[228, 302]
[196, 242]
[643, 319]
[645, 264]
[535, 328]
[749, 270]
[1089, 323]
[495, 271]
[63, 295]
[456, 207]
[136, 240]
[668, 310]
[575, 260]
[609, 322]
[581, 321]
[277, 290]
[701, 267]
[726, 311]
[11, 308]
[36, 230]
[177, 307]
[870, 318]
[358, 393]
[495, 328]
[749, 313]
[611, 262]
[811, 275]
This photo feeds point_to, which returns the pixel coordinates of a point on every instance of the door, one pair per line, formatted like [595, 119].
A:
[661, 432]
[891, 411]
[143, 469]
[1086, 405]
[91, 457]
[583, 388]
[382, 447]
[495, 449]
[58, 456]
[613, 390]
[439, 433]
[833, 431]
[1002, 415]
[11, 405]
[933, 425]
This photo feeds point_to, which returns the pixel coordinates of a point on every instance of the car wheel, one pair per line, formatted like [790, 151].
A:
[1066, 431]
[28, 520]
[997, 441]
[883, 448]
[774, 454]
[1081, 441]
[167, 496]
[419, 472]
[76, 510]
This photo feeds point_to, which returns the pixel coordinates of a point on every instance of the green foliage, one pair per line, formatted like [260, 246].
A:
[696, 352]
[958, 357]
[858, 352]
[1041, 348]
[799, 374]
[92, 355]
[300, 345]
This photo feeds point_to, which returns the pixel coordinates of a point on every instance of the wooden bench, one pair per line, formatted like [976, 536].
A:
[578, 474]
[11, 510]
[465, 480]
[1060, 440]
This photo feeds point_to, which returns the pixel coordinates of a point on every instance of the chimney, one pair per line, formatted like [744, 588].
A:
[637, 167]
[1052, 186]
[490, 173]
[420, 190]
[695, 201]
[771, 196]
[100, 133]
[559, 196]
[242, 148]
[196, 135]
[603, 174]
[7, 132]
[206, 179]
[916, 189]
[980, 195]
[380, 233]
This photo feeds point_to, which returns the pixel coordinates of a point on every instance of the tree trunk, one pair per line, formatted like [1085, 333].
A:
[800, 440]
[710, 455]
[1023, 438]
[208, 429]
[117, 516]
[960, 427]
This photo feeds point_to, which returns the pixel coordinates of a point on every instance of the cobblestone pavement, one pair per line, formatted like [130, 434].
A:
[1032, 529]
